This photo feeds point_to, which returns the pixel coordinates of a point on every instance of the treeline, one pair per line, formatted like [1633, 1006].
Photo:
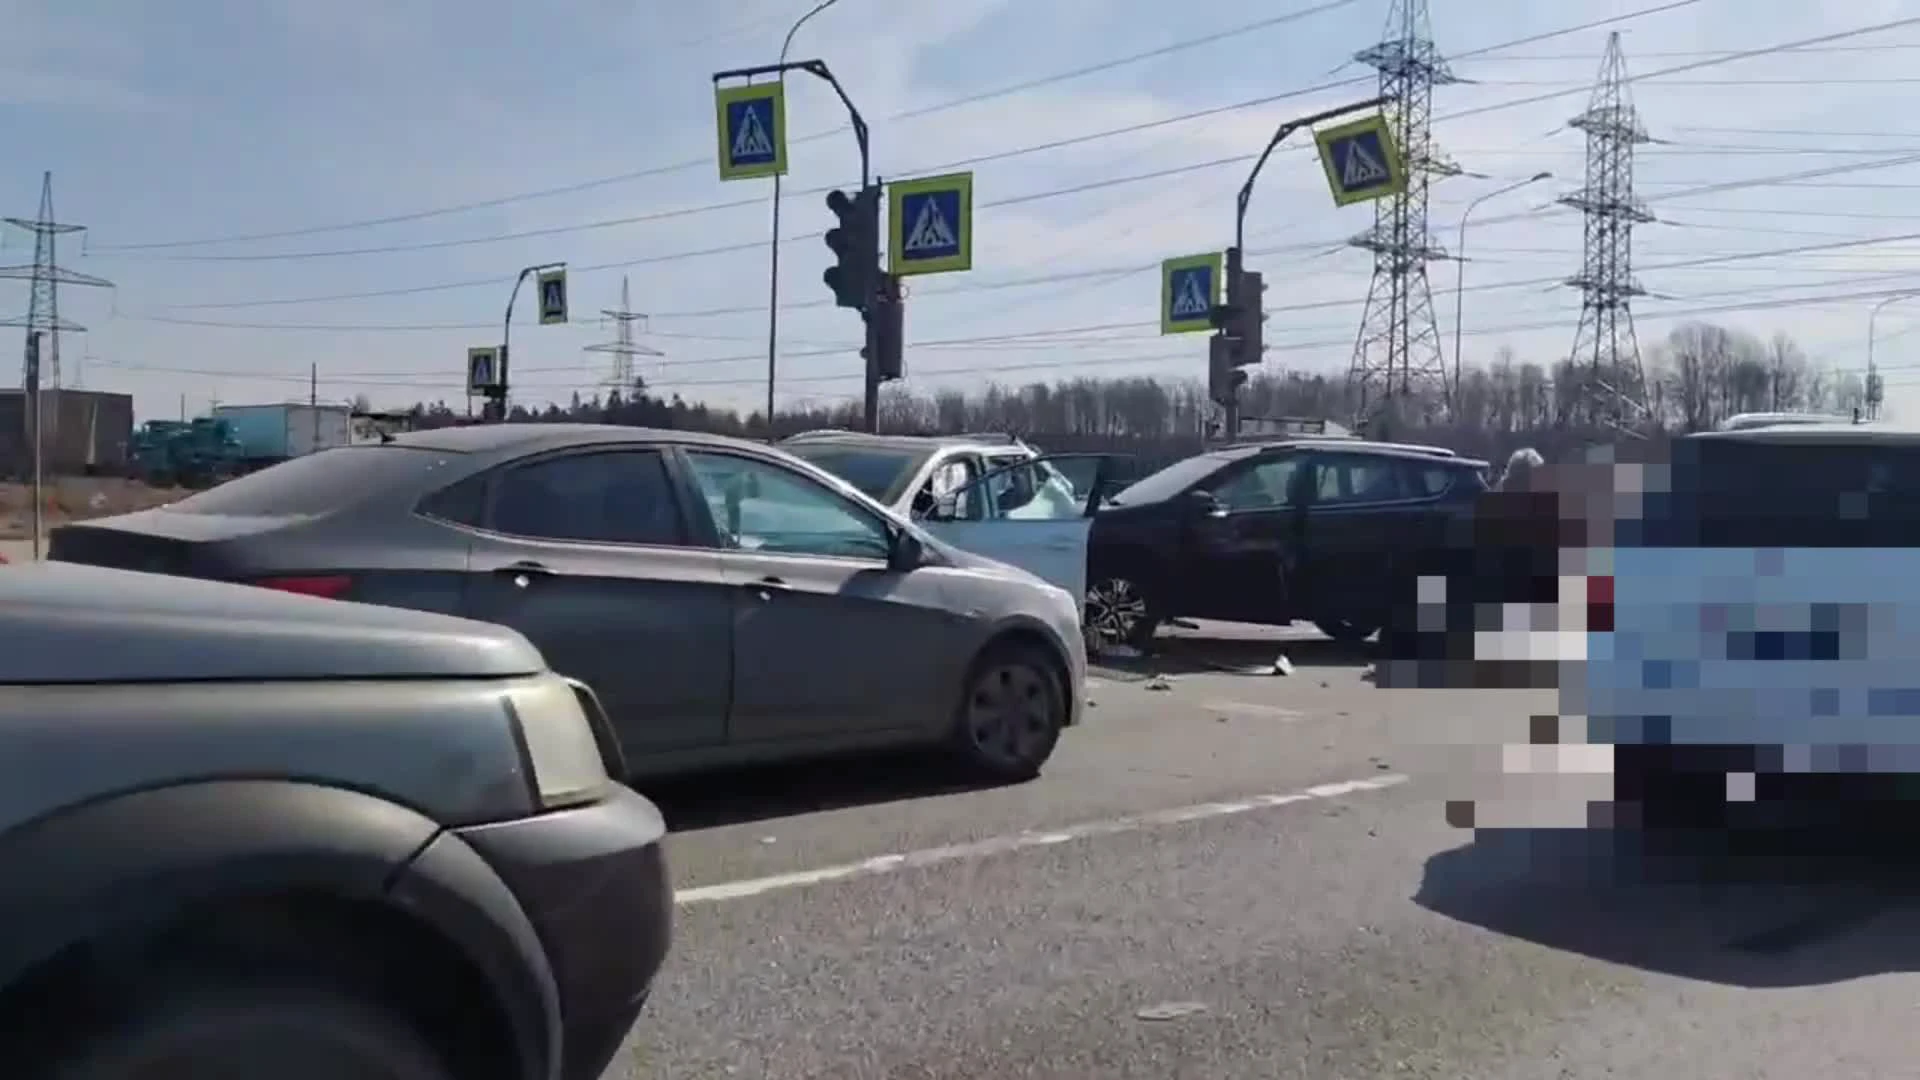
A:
[1699, 375]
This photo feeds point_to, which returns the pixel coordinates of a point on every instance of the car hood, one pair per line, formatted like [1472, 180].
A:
[68, 623]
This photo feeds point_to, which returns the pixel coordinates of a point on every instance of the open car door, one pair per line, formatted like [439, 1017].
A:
[1035, 514]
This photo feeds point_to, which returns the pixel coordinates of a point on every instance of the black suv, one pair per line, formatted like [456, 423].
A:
[1326, 530]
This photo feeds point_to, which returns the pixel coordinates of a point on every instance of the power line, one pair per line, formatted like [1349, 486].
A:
[1104, 361]
[1236, 159]
[1107, 271]
[694, 163]
[735, 204]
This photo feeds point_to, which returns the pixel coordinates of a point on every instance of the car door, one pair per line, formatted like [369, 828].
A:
[1366, 517]
[587, 553]
[827, 639]
[1029, 512]
[1241, 553]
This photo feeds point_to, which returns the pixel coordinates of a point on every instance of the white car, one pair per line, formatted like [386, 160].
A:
[989, 494]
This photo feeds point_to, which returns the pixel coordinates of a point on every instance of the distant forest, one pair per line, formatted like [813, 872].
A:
[1700, 374]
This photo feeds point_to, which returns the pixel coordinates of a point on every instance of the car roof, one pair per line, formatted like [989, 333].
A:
[486, 438]
[1839, 431]
[1344, 444]
[905, 442]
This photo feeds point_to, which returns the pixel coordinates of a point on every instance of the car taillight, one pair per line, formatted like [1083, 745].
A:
[329, 587]
[1600, 605]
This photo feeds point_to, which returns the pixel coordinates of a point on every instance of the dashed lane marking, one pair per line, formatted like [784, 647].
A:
[1001, 845]
[1251, 708]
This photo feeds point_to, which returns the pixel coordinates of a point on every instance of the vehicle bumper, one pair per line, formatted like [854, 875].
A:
[593, 881]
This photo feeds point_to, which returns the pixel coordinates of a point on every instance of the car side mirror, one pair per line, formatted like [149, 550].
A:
[1204, 504]
[905, 552]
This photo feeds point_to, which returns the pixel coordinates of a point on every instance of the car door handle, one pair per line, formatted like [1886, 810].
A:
[524, 566]
[767, 583]
[524, 571]
[1062, 545]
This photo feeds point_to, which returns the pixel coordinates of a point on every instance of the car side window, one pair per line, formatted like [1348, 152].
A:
[464, 503]
[759, 506]
[606, 497]
[1425, 481]
[1343, 479]
[1266, 485]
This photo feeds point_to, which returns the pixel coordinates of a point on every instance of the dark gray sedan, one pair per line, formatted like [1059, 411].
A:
[729, 602]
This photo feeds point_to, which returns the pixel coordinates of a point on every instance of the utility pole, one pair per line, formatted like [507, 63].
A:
[773, 254]
[1614, 389]
[623, 347]
[1398, 347]
[313, 402]
[31, 382]
[43, 302]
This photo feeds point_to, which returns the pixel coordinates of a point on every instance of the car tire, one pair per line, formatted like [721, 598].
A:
[290, 1033]
[1346, 631]
[1012, 709]
[1120, 610]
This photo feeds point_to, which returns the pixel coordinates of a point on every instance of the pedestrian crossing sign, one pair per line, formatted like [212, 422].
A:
[930, 225]
[1189, 289]
[1361, 160]
[553, 296]
[483, 370]
[752, 123]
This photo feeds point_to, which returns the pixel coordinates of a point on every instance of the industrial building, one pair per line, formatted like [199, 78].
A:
[87, 431]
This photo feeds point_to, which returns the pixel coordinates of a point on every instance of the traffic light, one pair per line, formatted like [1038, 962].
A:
[1239, 340]
[855, 243]
[886, 331]
[1224, 378]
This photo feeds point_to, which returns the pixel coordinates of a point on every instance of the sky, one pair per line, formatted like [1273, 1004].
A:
[283, 188]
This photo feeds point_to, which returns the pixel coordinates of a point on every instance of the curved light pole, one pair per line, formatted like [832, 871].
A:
[1460, 274]
[773, 267]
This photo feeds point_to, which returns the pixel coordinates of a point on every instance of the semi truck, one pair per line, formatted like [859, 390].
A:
[270, 434]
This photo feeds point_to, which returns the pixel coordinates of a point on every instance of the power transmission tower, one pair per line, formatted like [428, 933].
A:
[1606, 353]
[623, 347]
[1397, 353]
[46, 274]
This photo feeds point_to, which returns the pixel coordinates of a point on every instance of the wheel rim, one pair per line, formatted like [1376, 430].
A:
[1010, 712]
[1115, 608]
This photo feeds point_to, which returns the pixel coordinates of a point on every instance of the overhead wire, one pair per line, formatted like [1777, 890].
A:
[1074, 189]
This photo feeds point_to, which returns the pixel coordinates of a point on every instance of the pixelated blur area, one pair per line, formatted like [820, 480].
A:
[1724, 639]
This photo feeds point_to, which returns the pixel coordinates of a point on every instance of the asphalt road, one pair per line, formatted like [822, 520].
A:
[1235, 875]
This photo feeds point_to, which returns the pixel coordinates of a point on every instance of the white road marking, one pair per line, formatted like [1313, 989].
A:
[1001, 845]
[1251, 708]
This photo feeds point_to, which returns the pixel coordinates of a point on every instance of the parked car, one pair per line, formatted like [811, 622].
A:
[989, 494]
[729, 602]
[1326, 530]
[249, 833]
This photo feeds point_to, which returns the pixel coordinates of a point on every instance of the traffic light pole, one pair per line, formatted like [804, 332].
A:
[818, 69]
[1280, 133]
[499, 402]
[1230, 425]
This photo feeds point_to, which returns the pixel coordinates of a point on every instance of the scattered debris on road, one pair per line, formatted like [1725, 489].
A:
[1170, 1010]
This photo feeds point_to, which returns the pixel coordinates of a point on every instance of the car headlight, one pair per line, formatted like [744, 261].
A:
[567, 755]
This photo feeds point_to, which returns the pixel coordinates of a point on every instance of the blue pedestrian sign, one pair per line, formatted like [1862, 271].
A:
[1189, 289]
[752, 123]
[1361, 160]
[930, 225]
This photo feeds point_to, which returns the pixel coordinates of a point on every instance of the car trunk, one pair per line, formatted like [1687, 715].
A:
[159, 542]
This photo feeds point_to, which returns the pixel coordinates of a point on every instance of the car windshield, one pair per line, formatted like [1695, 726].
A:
[1169, 481]
[880, 472]
[320, 483]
